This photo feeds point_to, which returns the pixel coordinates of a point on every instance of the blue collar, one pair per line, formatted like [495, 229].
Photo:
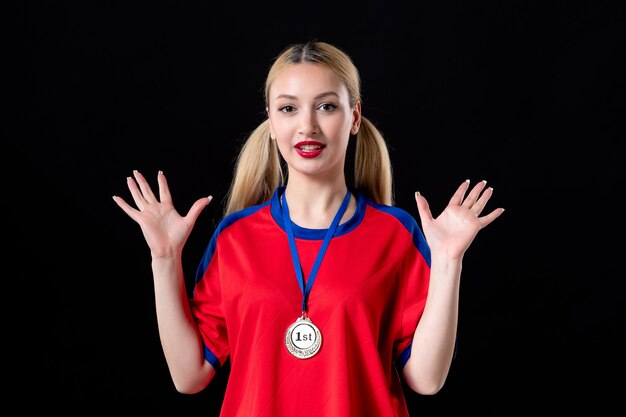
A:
[317, 234]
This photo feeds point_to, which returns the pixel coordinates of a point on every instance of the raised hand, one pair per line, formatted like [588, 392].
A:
[164, 229]
[451, 233]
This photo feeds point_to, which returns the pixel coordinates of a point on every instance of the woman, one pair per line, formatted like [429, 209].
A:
[322, 295]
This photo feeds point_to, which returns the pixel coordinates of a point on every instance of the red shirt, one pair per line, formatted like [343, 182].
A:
[366, 300]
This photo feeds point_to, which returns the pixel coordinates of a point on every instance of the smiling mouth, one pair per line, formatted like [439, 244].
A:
[309, 149]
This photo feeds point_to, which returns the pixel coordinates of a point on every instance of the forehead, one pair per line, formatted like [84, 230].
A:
[306, 80]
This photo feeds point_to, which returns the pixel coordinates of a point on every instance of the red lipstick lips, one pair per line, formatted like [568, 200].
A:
[309, 148]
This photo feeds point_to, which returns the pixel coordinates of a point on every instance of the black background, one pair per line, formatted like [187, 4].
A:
[524, 94]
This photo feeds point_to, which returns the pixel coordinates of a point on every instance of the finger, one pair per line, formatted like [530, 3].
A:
[164, 190]
[473, 196]
[134, 191]
[146, 191]
[128, 209]
[457, 197]
[480, 204]
[423, 208]
[197, 208]
[487, 219]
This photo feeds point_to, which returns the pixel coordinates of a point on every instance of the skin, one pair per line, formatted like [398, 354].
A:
[309, 102]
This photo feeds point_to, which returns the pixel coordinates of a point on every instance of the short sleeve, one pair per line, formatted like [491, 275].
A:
[207, 307]
[415, 276]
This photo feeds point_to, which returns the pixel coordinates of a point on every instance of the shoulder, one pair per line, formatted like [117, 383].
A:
[404, 222]
[222, 230]
[239, 216]
[396, 214]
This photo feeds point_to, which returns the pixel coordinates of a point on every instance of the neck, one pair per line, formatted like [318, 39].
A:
[313, 203]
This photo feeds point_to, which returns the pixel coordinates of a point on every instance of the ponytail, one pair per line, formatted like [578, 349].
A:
[257, 171]
[372, 168]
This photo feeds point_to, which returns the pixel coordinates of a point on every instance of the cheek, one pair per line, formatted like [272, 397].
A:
[283, 127]
[339, 128]
[283, 141]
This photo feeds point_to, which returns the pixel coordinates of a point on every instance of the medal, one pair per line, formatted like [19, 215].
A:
[303, 339]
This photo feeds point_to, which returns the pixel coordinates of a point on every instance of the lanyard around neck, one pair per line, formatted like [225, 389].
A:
[320, 255]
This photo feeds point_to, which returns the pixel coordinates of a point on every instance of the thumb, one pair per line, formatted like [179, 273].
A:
[423, 208]
[197, 208]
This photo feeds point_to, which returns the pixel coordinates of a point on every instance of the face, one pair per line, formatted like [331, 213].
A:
[311, 119]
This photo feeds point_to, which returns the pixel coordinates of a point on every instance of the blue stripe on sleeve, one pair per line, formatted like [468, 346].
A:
[206, 259]
[211, 358]
[410, 225]
[227, 221]
[404, 357]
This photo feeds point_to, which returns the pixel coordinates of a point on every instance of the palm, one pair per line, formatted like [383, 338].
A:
[453, 231]
[164, 229]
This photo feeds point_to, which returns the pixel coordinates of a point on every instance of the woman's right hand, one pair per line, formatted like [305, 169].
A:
[164, 229]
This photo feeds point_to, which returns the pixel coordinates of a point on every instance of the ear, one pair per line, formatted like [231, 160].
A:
[356, 118]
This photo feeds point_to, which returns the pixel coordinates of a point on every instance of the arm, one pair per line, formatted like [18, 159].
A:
[166, 232]
[448, 236]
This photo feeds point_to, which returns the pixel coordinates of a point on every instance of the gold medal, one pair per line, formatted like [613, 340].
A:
[303, 339]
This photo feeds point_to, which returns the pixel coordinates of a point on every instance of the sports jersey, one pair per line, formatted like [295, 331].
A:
[366, 300]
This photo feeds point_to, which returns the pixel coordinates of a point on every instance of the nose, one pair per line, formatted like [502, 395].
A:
[307, 123]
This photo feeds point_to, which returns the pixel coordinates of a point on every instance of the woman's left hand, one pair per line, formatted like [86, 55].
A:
[451, 233]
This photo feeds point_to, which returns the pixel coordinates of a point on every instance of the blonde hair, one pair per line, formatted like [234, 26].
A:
[258, 168]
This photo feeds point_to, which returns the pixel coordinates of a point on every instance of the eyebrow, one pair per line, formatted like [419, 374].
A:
[317, 97]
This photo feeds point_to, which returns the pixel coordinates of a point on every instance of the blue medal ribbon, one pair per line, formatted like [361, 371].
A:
[320, 255]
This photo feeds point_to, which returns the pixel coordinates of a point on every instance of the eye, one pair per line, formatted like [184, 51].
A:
[286, 109]
[327, 107]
